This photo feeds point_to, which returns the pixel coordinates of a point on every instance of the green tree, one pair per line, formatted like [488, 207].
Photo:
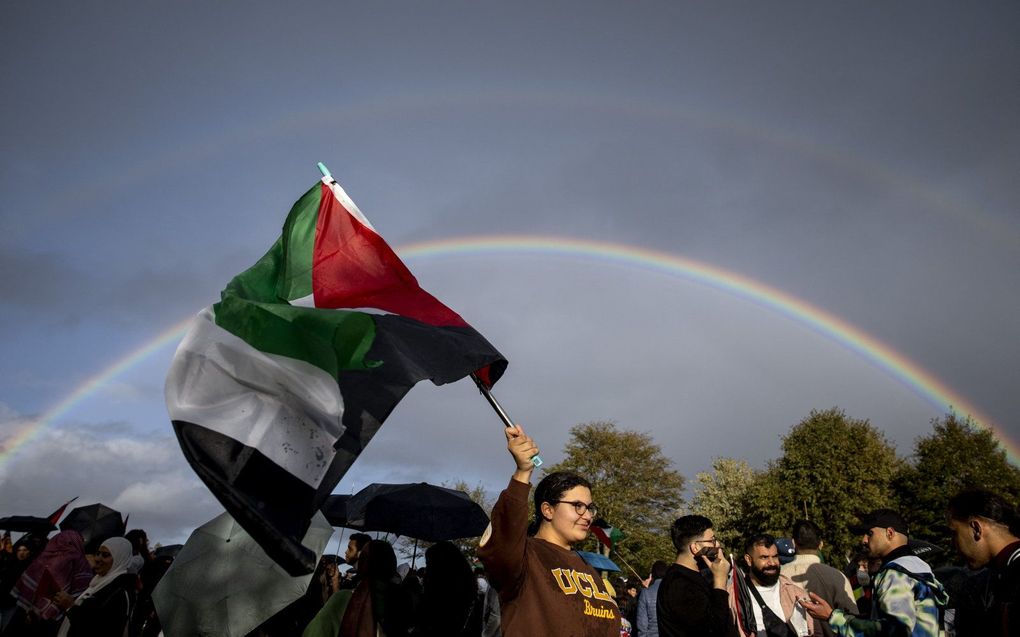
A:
[479, 496]
[832, 469]
[957, 455]
[633, 483]
[722, 496]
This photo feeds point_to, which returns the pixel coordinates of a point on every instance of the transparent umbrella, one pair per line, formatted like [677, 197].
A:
[222, 583]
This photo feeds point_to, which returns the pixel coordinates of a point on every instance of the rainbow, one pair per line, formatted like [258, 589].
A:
[920, 381]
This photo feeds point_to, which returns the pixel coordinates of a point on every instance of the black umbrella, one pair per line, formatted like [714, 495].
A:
[27, 524]
[335, 509]
[421, 511]
[169, 551]
[96, 523]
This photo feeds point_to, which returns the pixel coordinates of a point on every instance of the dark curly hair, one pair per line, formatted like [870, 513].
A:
[552, 487]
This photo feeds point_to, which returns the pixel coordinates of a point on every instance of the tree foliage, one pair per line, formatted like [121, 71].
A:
[833, 468]
[633, 483]
[957, 455]
[722, 496]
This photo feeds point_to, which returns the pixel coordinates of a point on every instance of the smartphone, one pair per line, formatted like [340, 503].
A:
[711, 552]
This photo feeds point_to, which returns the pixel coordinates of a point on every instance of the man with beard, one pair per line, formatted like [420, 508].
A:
[774, 597]
[908, 600]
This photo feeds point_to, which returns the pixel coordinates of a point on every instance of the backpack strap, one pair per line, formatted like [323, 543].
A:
[772, 621]
[928, 580]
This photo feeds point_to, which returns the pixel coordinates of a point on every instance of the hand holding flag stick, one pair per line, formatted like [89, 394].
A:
[535, 459]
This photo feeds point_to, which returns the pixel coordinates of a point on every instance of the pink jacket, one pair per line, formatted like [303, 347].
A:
[789, 593]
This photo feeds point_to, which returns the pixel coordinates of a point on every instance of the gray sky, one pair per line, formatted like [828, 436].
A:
[861, 158]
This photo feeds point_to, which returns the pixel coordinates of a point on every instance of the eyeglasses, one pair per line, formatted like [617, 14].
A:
[714, 541]
[580, 507]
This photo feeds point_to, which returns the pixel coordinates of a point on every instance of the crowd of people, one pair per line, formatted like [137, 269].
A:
[530, 582]
[60, 587]
[545, 589]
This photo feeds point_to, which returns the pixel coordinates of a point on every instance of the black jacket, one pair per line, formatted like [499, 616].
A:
[688, 606]
[988, 603]
[106, 613]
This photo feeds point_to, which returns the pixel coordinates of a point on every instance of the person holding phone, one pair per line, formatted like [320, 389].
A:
[689, 603]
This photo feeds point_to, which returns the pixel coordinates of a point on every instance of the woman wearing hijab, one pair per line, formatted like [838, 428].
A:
[61, 567]
[104, 608]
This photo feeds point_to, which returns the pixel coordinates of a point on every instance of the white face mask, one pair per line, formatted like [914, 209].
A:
[863, 577]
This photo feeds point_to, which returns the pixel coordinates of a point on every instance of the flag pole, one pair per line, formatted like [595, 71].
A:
[535, 459]
[625, 563]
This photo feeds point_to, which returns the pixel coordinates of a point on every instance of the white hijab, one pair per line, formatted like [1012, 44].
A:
[120, 548]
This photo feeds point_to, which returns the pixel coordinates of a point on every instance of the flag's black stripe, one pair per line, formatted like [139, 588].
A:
[270, 503]
[410, 351]
[274, 506]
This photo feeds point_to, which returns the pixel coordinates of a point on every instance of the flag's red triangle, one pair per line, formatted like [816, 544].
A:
[56, 515]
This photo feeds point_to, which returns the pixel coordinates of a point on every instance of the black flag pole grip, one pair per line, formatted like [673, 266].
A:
[535, 459]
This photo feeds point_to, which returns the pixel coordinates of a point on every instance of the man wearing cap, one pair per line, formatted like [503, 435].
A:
[807, 571]
[984, 528]
[908, 598]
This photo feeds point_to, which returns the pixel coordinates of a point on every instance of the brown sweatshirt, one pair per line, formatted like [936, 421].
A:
[544, 590]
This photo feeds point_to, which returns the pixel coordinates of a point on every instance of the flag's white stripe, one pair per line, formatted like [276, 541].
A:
[347, 202]
[286, 408]
[309, 301]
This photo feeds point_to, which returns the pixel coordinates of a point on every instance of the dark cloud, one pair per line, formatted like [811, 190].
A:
[859, 158]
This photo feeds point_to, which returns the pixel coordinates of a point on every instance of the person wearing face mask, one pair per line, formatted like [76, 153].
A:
[104, 608]
[774, 597]
[861, 572]
[545, 588]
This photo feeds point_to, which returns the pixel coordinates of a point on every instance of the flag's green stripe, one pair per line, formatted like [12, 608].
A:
[299, 245]
[332, 340]
[252, 309]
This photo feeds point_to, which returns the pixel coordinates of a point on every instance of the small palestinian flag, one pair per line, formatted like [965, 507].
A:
[277, 388]
[606, 534]
[59, 513]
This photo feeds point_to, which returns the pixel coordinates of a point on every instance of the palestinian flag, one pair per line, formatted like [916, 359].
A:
[606, 534]
[276, 389]
[59, 513]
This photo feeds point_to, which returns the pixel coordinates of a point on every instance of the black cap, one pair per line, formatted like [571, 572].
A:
[881, 518]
